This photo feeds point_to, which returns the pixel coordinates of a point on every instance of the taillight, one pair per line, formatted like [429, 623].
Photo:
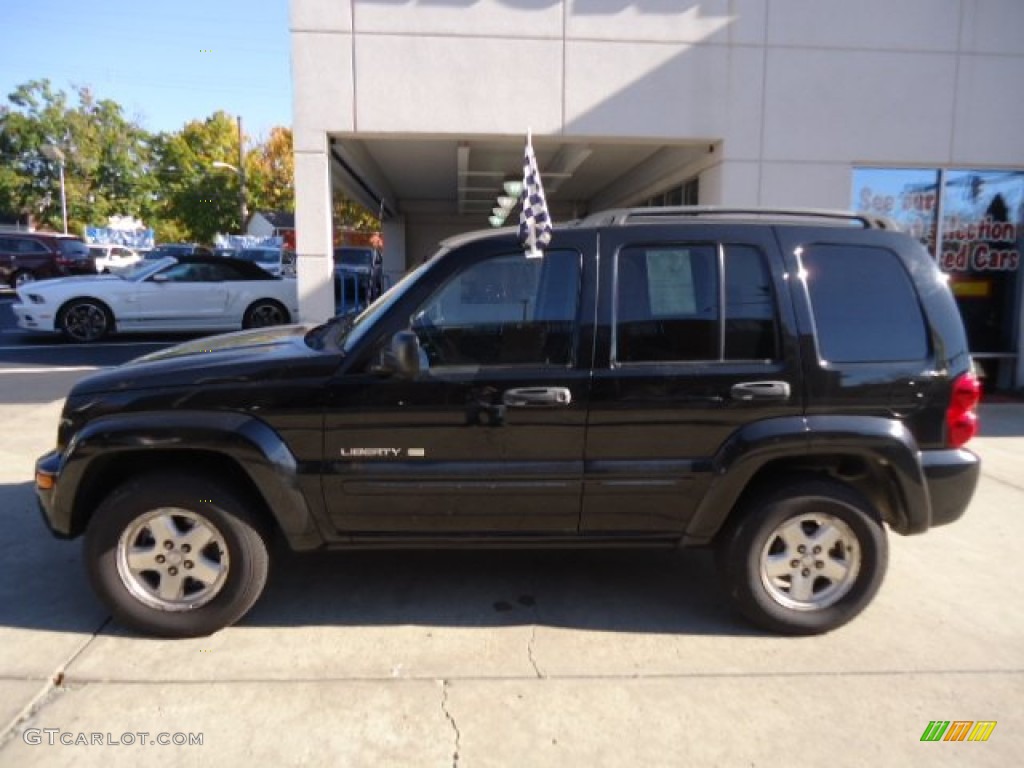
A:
[961, 418]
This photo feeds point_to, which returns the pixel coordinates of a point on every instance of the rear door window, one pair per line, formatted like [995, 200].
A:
[670, 299]
[864, 305]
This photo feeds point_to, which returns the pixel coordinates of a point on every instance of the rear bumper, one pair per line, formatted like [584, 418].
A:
[952, 477]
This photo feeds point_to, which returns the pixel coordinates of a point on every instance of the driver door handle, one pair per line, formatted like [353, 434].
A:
[748, 391]
[534, 397]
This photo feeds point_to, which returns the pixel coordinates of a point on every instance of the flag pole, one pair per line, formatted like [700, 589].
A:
[534, 219]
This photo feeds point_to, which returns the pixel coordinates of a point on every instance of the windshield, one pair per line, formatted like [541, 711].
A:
[367, 318]
[353, 257]
[260, 256]
[143, 269]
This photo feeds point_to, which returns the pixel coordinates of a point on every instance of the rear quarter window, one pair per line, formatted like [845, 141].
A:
[74, 248]
[864, 305]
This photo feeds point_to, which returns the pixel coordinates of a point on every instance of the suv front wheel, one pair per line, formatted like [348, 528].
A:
[176, 555]
[805, 557]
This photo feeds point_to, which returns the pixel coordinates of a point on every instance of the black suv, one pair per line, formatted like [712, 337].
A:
[28, 256]
[779, 386]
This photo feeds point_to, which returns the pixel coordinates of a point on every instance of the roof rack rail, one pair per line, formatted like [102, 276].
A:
[620, 216]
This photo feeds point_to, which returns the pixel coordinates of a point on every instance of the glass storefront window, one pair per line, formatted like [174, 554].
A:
[973, 222]
[981, 247]
[908, 196]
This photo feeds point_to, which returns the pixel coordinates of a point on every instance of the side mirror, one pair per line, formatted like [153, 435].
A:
[402, 356]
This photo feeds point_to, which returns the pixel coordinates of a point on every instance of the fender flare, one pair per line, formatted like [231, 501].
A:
[878, 440]
[253, 446]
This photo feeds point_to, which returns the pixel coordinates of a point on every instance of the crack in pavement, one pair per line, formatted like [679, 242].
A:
[451, 719]
[529, 652]
[56, 684]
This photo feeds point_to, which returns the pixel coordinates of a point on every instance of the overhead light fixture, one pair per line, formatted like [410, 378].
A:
[507, 202]
[513, 188]
[496, 221]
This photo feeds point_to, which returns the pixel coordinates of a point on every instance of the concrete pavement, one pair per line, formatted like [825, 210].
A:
[510, 659]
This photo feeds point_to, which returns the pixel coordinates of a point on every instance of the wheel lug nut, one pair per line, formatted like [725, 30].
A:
[160, 559]
[173, 571]
[819, 564]
[817, 550]
[186, 548]
[805, 572]
[188, 564]
[168, 544]
[801, 549]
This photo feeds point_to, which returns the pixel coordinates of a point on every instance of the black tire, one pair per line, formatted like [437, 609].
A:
[84, 321]
[129, 523]
[803, 592]
[22, 277]
[264, 314]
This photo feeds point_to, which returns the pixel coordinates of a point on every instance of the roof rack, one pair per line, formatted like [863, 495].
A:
[620, 216]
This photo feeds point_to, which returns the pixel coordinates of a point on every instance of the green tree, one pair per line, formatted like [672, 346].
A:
[270, 173]
[106, 157]
[198, 200]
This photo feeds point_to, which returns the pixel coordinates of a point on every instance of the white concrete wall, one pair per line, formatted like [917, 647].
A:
[795, 92]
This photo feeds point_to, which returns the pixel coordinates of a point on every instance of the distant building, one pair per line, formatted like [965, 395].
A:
[273, 224]
[21, 221]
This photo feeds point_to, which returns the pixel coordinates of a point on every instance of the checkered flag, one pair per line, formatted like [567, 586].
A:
[534, 220]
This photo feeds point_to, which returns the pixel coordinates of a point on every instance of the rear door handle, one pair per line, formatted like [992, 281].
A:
[748, 391]
[534, 397]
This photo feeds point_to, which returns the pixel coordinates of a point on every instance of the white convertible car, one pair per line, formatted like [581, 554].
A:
[175, 293]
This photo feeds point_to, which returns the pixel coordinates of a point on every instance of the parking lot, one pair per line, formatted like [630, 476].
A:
[502, 658]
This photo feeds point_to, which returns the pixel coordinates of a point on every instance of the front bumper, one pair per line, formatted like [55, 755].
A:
[952, 477]
[47, 473]
[33, 317]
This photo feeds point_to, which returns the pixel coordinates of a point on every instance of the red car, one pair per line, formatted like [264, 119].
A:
[28, 256]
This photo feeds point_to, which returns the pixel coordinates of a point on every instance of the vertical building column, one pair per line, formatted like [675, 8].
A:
[394, 249]
[314, 241]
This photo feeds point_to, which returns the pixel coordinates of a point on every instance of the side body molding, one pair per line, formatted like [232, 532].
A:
[878, 441]
[250, 444]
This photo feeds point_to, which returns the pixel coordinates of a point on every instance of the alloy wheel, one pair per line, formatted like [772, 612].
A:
[810, 562]
[172, 559]
[85, 321]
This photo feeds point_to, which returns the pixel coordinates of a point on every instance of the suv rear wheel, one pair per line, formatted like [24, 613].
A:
[174, 562]
[804, 558]
[22, 277]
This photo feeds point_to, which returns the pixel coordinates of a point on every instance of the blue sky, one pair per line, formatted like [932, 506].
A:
[165, 62]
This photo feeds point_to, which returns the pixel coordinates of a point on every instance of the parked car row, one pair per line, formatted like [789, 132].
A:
[86, 292]
[174, 293]
[29, 256]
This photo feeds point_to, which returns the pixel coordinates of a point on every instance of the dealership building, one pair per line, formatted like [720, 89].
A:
[419, 109]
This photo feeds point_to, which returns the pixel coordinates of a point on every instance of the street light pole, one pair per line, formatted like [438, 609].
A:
[53, 153]
[241, 183]
[239, 171]
[243, 208]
